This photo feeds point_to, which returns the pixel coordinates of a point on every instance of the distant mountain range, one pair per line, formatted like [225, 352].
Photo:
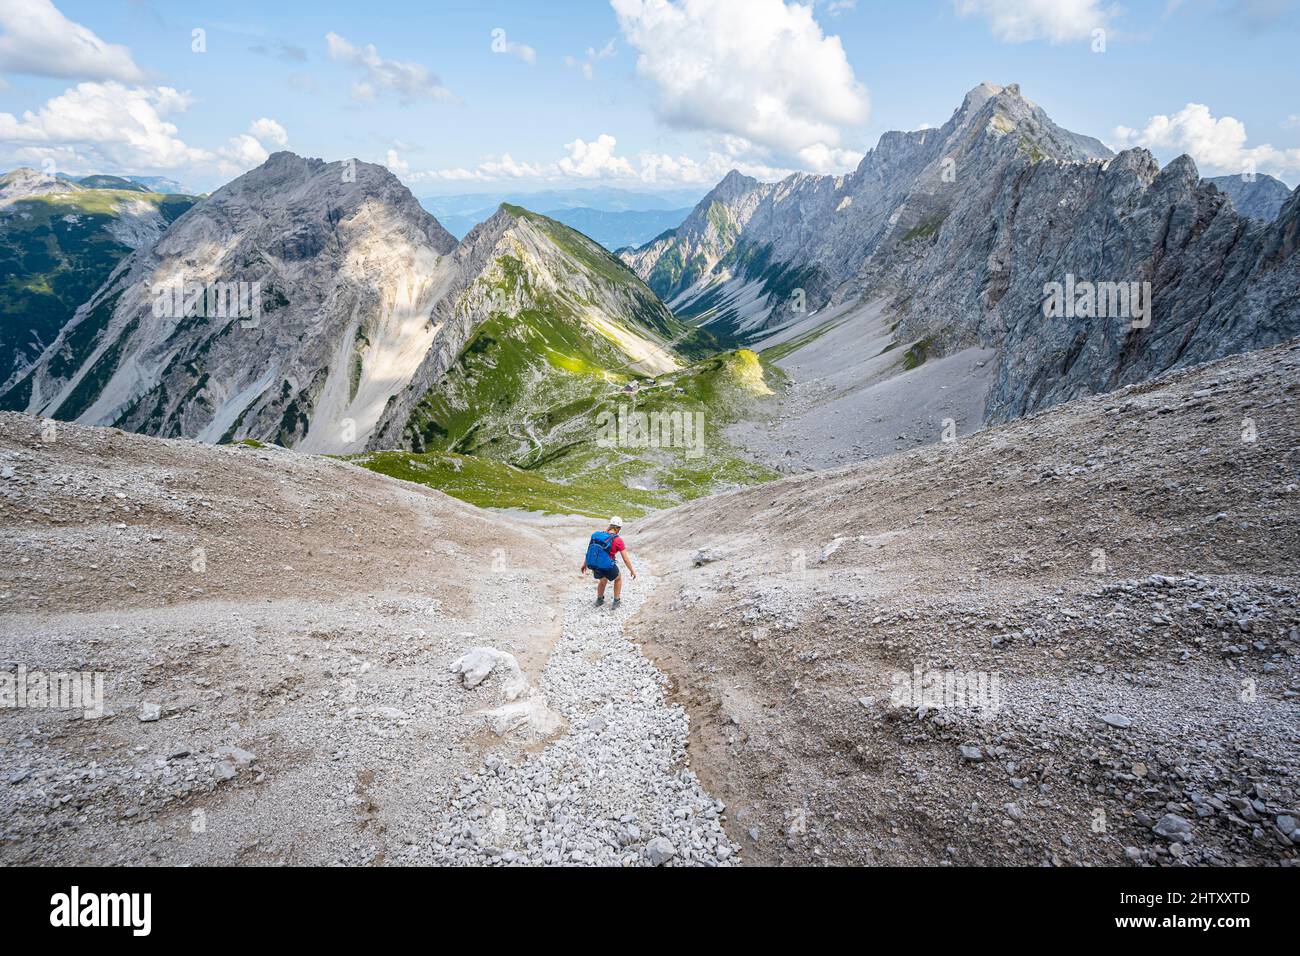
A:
[153, 184]
[613, 217]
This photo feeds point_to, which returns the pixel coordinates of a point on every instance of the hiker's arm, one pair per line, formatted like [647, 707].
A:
[627, 562]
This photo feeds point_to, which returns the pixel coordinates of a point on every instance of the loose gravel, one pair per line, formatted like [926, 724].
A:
[615, 790]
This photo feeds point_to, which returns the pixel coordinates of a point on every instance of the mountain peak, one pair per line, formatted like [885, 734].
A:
[24, 182]
[981, 94]
[734, 184]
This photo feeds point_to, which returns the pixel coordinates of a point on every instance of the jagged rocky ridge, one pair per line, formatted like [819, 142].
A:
[748, 245]
[961, 229]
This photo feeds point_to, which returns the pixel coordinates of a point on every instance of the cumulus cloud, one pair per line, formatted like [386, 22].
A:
[594, 160]
[664, 169]
[409, 81]
[38, 39]
[396, 164]
[1218, 144]
[758, 69]
[504, 46]
[252, 148]
[585, 160]
[820, 158]
[598, 160]
[106, 126]
[1056, 21]
[269, 131]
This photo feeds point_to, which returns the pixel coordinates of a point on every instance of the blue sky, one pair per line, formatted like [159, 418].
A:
[481, 96]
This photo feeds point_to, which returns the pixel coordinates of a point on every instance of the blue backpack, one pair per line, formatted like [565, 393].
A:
[598, 551]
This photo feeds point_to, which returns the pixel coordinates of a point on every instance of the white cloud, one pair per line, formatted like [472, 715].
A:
[1057, 21]
[1292, 121]
[506, 47]
[410, 81]
[247, 150]
[594, 160]
[268, 130]
[39, 40]
[823, 159]
[504, 167]
[396, 164]
[759, 69]
[106, 127]
[663, 169]
[1218, 144]
[114, 128]
[597, 160]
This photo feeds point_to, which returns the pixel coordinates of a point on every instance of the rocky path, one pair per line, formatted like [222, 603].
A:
[614, 790]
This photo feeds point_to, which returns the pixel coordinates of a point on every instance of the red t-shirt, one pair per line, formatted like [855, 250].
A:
[615, 547]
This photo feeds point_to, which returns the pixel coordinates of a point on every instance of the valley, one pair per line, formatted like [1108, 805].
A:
[322, 548]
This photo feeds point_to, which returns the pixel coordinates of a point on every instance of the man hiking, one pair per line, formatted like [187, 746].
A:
[602, 549]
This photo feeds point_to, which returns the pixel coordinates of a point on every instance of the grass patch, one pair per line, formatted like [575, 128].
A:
[491, 484]
[924, 230]
[915, 356]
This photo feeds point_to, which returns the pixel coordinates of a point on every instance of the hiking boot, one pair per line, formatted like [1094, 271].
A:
[601, 600]
[617, 602]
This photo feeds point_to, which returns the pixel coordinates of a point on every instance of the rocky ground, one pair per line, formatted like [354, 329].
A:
[274, 632]
[853, 392]
[617, 778]
[305, 662]
[1126, 567]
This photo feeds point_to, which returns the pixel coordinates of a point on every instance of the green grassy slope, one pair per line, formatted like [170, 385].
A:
[54, 253]
[570, 458]
[517, 420]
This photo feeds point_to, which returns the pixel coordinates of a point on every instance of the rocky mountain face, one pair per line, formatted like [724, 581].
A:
[315, 305]
[1202, 280]
[289, 305]
[968, 231]
[545, 305]
[59, 241]
[753, 254]
[1261, 197]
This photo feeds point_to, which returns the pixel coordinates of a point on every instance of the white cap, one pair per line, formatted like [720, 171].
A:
[616, 522]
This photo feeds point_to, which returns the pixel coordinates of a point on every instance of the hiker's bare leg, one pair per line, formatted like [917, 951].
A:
[600, 588]
[618, 586]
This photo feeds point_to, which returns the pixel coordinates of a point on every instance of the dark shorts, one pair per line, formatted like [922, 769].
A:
[609, 574]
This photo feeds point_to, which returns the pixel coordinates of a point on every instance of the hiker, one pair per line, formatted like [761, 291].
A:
[602, 550]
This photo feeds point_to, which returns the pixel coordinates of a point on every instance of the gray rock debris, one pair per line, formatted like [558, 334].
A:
[615, 790]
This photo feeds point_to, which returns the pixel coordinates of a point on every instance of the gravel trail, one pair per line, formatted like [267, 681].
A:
[614, 790]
